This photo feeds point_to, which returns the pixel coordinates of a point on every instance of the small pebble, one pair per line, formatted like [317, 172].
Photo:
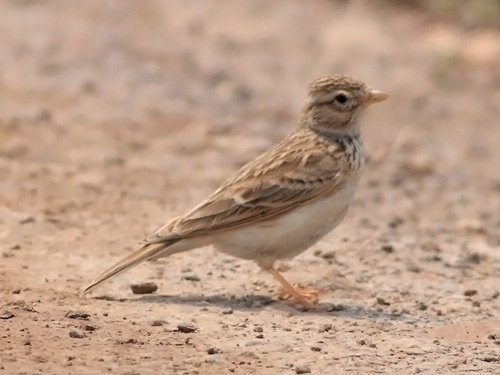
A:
[258, 329]
[315, 348]
[330, 307]
[77, 314]
[6, 314]
[422, 306]
[325, 327]
[413, 268]
[259, 336]
[396, 222]
[470, 292]
[227, 311]
[192, 278]
[186, 328]
[156, 323]
[302, 370]
[76, 334]
[328, 255]
[473, 258]
[144, 288]
[382, 302]
[212, 351]
[388, 248]
[27, 219]
[127, 341]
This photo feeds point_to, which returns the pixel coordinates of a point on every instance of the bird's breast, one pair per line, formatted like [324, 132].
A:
[291, 233]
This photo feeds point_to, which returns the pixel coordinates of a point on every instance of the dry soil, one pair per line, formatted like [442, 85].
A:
[117, 115]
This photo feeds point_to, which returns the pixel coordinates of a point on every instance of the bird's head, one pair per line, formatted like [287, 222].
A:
[334, 103]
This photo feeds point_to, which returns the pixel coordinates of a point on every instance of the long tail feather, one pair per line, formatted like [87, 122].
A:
[145, 253]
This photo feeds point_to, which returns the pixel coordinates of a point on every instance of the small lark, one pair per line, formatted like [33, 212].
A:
[284, 201]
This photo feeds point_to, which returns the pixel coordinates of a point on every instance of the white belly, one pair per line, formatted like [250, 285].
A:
[288, 235]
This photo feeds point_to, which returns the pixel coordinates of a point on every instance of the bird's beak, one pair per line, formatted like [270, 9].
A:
[374, 96]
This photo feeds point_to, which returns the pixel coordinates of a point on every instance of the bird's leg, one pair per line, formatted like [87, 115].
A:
[306, 298]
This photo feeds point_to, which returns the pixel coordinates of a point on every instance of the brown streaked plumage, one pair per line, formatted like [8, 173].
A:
[285, 200]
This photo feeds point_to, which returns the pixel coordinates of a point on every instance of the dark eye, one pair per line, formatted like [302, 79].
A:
[341, 98]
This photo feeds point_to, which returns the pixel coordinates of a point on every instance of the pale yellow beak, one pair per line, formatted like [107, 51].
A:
[373, 97]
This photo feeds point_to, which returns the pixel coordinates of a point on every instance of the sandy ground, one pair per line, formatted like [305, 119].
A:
[117, 115]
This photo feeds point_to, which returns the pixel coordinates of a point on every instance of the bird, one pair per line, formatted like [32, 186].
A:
[285, 200]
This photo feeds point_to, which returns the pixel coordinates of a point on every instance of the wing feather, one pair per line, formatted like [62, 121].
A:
[272, 185]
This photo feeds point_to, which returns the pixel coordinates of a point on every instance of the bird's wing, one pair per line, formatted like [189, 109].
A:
[293, 173]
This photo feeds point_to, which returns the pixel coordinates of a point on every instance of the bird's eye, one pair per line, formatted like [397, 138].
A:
[341, 98]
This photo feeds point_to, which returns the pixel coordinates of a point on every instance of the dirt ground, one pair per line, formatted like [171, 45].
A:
[117, 115]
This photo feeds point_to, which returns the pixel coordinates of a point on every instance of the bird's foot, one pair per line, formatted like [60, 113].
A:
[307, 298]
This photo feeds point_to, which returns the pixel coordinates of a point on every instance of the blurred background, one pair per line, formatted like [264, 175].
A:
[117, 115]
[117, 101]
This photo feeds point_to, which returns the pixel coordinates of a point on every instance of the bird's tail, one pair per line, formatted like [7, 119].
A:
[145, 253]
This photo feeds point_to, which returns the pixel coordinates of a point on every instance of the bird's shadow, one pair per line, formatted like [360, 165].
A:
[256, 302]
